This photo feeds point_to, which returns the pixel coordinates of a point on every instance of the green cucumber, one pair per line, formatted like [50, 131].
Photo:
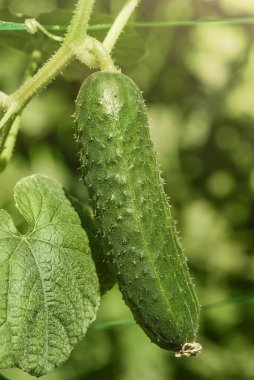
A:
[119, 168]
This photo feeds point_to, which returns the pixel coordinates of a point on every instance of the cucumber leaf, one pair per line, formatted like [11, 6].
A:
[49, 290]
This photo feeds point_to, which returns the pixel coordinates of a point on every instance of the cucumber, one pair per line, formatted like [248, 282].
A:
[119, 168]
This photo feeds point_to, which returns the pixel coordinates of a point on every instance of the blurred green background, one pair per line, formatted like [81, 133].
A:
[198, 83]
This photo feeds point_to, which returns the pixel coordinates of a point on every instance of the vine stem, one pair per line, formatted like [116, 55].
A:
[9, 145]
[76, 33]
[44, 75]
[118, 25]
[94, 55]
[33, 26]
[75, 37]
[92, 51]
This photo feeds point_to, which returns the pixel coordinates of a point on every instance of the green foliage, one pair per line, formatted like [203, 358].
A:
[198, 84]
[2, 377]
[46, 301]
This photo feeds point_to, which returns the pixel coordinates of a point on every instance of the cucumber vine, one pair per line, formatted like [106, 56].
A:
[75, 44]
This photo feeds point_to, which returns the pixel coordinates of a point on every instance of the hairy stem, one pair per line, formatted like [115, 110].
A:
[78, 27]
[75, 35]
[96, 54]
[9, 144]
[119, 24]
[47, 72]
[72, 43]
[93, 54]
[33, 26]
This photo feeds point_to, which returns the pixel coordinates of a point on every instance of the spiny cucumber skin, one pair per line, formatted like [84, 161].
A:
[126, 193]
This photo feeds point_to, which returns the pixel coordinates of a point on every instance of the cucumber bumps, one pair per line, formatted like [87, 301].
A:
[126, 193]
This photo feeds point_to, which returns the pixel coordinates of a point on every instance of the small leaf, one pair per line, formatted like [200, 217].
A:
[48, 284]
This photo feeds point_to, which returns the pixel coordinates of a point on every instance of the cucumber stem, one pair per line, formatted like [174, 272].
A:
[93, 54]
[119, 24]
[9, 144]
[75, 35]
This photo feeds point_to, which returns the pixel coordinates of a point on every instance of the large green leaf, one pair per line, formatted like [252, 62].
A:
[49, 290]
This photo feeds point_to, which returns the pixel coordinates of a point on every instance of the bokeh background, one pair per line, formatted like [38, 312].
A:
[198, 82]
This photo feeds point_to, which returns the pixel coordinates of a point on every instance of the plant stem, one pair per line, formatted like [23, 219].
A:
[9, 144]
[19, 99]
[76, 33]
[118, 25]
[33, 26]
[77, 29]
[96, 54]
[4, 99]
[45, 74]
[75, 36]
[93, 54]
